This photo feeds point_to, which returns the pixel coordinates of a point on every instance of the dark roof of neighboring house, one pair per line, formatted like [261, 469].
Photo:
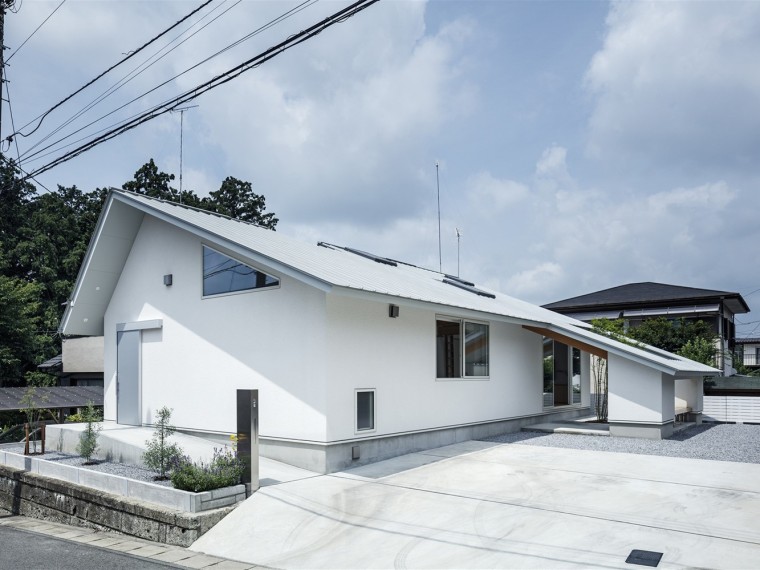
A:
[51, 397]
[55, 364]
[648, 293]
[751, 340]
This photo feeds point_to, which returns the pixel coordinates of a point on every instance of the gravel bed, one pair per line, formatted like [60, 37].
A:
[718, 442]
[111, 467]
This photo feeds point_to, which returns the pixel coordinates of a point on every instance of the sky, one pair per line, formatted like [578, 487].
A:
[580, 145]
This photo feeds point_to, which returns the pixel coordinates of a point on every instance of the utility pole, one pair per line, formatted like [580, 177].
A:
[181, 129]
[3, 5]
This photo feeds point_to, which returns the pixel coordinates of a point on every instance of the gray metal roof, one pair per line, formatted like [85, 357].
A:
[330, 268]
[51, 397]
[55, 364]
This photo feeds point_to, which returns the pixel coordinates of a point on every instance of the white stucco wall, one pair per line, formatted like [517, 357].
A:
[272, 340]
[637, 393]
[689, 394]
[396, 357]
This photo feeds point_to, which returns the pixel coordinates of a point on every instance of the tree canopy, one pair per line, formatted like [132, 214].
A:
[43, 240]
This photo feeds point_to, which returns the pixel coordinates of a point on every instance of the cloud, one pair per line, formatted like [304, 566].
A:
[673, 88]
[538, 280]
[491, 196]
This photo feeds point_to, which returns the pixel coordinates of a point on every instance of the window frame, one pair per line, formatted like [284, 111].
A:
[372, 429]
[463, 354]
[247, 264]
[570, 372]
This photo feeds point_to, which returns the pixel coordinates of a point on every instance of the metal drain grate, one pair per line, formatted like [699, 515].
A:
[644, 558]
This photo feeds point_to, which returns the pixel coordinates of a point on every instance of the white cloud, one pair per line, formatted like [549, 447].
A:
[539, 280]
[674, 86]
[491, 196]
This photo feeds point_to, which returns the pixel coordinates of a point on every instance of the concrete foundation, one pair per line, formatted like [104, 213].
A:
[337, 456]
[646, 431]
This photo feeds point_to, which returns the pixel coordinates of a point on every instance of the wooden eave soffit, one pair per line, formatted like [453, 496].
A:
[595, 350]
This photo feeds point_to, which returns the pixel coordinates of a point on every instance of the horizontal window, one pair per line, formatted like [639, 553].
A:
[223, 274]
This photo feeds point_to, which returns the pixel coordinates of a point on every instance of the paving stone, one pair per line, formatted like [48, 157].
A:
[149, 550]
[199, 561]
[126, 545]
[174, 555]
[231, 565]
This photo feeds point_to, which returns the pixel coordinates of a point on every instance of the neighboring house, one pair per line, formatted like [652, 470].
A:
[636, 302]
[748, 352]
[356, 357]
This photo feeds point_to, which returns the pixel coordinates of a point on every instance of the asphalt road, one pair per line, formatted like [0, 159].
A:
[20, 549]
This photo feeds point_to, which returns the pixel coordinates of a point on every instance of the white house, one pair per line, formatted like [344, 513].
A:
[352, 354]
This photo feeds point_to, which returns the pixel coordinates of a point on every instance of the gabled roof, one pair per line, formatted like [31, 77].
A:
[749, 340]
[648, 294]
[327, 267]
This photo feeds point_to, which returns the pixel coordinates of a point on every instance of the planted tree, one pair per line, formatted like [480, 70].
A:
[33, 415]
[88, 439]
[160, 455]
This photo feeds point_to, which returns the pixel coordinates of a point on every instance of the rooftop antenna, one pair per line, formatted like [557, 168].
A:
[181, 128]
[459, 237]
[438, 187]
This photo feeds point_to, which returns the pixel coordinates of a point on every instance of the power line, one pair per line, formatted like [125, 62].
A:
[10, 111]
[27, 156]
[129, 56]
[229, 75]
[35, 31]
[123, 81]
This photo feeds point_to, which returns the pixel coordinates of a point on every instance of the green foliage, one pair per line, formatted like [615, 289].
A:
[224, 470]
[88, 439]
[159, 454]
[74, 418]
[700, 350]
[671, 335]
[20, 321]
[236, 199]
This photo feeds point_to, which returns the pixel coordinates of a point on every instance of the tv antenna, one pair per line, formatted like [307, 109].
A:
[459, 237]
[438, 189]
[181, 128]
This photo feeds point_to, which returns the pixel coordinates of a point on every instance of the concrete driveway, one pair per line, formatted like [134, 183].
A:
[488, 505]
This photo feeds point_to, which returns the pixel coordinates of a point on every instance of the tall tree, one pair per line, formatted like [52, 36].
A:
[236, 199]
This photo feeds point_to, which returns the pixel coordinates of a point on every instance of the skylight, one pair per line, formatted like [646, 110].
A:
[471, 288]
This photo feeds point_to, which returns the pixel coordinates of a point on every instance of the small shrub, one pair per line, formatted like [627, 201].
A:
[224, 470]
[88, 439]
[160, 455]
[74, 418]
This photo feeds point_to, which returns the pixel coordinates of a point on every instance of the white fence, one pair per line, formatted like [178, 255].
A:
[743, 409]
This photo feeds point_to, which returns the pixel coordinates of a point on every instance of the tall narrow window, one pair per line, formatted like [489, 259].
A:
[576, 376]
[455, 338]
[365, 410]
[223, 274]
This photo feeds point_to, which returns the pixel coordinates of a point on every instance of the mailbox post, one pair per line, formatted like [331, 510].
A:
[248, 437]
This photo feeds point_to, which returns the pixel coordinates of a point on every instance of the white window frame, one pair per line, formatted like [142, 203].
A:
[356, 410]
[463, 357]
[244, 291]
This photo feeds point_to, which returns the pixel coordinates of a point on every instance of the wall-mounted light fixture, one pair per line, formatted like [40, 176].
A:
[168, 280]
[393, 311]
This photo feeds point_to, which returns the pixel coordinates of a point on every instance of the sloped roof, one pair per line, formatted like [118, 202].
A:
[329, 268]
[51, 397]
[648, 294]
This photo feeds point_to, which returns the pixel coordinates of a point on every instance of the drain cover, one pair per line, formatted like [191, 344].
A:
[644, 558]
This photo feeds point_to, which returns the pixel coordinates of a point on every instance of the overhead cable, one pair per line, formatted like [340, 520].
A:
[35, 31]
[129, 56]
[28, 155]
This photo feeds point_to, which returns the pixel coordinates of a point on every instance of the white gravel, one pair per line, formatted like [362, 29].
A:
[113, 468]
[719, 442]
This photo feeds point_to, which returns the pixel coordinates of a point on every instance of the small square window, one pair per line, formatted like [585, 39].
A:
[365, 410]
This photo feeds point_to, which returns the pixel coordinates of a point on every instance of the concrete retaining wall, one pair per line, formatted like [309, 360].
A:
[117, 485]
[42, 497]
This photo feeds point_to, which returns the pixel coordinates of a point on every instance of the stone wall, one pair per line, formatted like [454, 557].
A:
[37, 496]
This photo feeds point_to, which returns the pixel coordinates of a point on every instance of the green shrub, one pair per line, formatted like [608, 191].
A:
[74, 418]
[88, 439]
[224, 470]
[160, 455]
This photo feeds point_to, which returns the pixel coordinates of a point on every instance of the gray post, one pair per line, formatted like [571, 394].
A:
[248, 437]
